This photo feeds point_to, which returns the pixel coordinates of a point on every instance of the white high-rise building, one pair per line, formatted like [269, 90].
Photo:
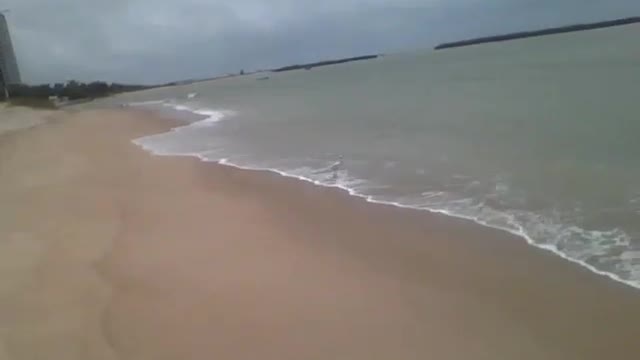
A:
[8, 62]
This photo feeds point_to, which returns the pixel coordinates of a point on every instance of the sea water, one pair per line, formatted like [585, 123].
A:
[538, 137]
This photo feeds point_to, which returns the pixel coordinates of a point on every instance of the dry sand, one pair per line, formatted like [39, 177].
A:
[14, 118]
[107, 252]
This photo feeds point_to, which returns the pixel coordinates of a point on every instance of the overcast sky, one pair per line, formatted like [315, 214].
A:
[154, 41]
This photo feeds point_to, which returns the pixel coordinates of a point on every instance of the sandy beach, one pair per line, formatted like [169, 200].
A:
[108, 252]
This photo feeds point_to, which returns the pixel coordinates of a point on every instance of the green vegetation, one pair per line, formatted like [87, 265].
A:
[71, 90]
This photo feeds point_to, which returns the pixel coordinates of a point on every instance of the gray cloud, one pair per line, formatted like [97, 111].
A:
[162, 40]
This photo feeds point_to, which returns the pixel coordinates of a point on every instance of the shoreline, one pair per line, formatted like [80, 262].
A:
[158, 257]
[368, 199]
[521, 235]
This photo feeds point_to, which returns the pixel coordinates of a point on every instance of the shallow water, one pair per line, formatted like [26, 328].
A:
[537, 137]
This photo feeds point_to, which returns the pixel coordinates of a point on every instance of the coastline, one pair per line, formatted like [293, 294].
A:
[538, 33]
[185, 259]
[521, 236]
[211, 116]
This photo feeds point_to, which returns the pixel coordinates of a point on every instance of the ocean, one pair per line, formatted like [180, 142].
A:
[538, 137]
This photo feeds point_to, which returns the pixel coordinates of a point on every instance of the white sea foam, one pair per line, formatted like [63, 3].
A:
[178, 107]
[160, 144]
[146, 103]
[211, 116]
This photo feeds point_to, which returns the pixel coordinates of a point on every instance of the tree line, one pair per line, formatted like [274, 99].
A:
[544, 32]
[72, 90]
[324, 63]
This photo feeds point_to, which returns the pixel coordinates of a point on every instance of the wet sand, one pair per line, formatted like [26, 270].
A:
[107, 252]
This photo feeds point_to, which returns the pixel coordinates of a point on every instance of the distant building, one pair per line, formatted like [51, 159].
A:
[8, 62]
